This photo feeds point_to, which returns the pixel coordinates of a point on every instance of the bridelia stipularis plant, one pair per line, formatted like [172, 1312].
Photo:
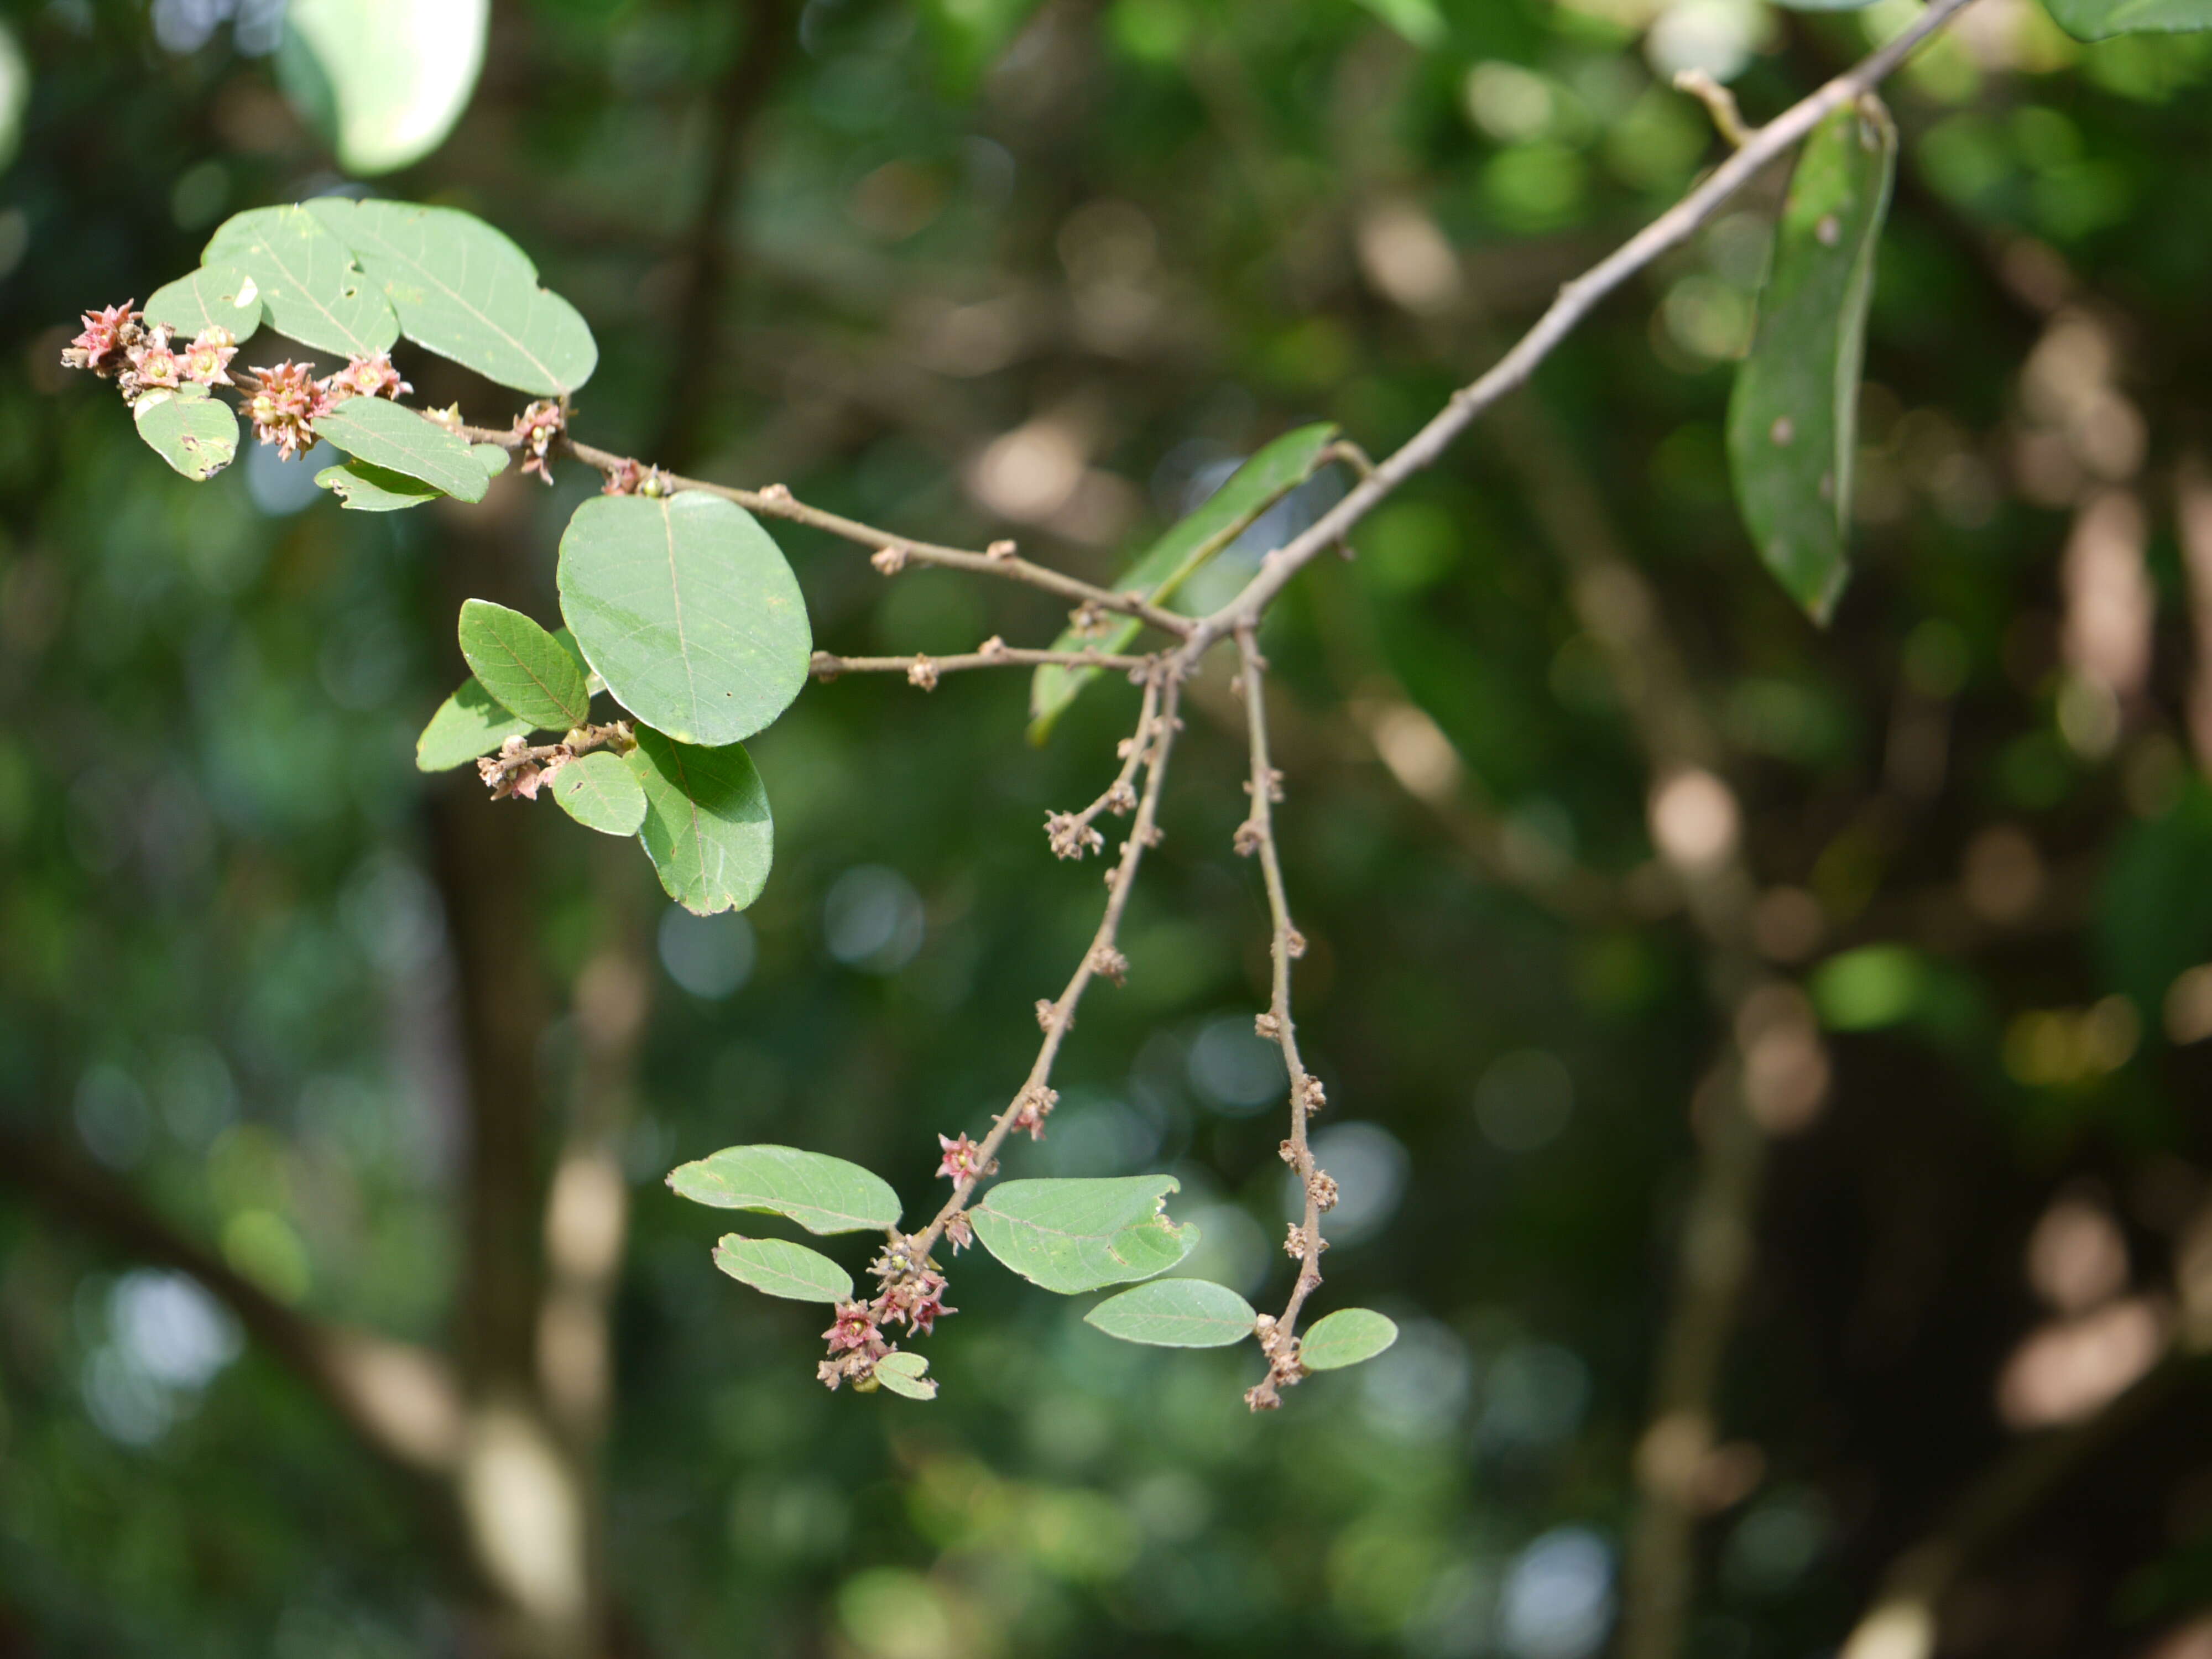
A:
[679, 609]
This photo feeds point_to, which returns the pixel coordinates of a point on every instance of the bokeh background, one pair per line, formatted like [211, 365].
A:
[1766, 1065]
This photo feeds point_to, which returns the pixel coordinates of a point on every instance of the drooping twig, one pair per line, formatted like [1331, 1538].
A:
[923, 670]
[1256, 835]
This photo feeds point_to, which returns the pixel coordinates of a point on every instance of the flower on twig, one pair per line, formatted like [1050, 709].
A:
[282, 402]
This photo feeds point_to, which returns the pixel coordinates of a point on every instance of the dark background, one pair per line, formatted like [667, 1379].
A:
[294, 1041]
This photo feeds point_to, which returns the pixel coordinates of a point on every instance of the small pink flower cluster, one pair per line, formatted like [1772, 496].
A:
[117, 343]
[286, 399]
[912, 1295]
[540, 427]
[627, 477]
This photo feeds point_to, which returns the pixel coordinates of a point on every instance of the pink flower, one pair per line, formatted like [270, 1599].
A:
[963, 1160]
[283, 402]
[372, 376]
[538, 427]
[1036, 1106]
[920, 1301]
[959, 1232]
[207, 359]
[855, 1329]
[102, 341]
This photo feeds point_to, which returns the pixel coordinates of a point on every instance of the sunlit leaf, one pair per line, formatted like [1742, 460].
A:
[707, 827]
[902, 1373]
[600, 792]
[310, 289]
[193, 432]
[2099, 20]
[366, 489]
[688, 611]
[592, 683]
[468, 724]
[1071, 1235]
[778, 1268]
[385, 434]
[490, 457]
[1345, 1338]
[382, 81]
[522, 665]
[1793, 419]
[822, 1193]
[463, 290]
[1187, 547]
[1175, 1313]
[14, 94]
[214, 296]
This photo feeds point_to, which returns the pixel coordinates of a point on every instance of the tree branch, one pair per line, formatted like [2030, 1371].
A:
[923, 670]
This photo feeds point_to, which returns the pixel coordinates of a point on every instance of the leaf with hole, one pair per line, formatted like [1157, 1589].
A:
[1072, 1235]
[1346, 1338]
[464, 291]
[382, 81]
[902, 1373]
[600, 792]
[522, 665]
[777, 1268]
[688, 611]
[310, 290]
[214, 296]
[707, 827]
[2100, 20]
[822, 1193]
[385, 435]
[1175, 1313]
[195, 433]
[366, 489]
[468, 724]
[1793, 417]
[1278, 468]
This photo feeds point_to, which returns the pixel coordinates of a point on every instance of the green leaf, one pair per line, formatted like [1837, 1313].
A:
[382, 81]
[14, 94]
[707, 827]
[193, 432]
[1187, 546]
[2099, 20]
[790, 1271]
[902, 1373]
[688, 611]
[366, 489]
[592, 683]
[600, 792]
[310, 290]
[468, 724]
[1345, 1338]
[490, 457]
[1071, 1235]
[1175, 1313]
[522, 665]
[214, 296]
[1793, 419]
[822, 1193]
[463, 290]
[385, 434]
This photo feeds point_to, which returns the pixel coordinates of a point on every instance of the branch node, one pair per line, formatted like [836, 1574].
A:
[1720, 104]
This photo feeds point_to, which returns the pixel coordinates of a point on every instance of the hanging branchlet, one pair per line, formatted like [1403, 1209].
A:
[522, 769]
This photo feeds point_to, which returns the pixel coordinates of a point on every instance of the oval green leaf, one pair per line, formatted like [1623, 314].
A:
[822, 1193]
[382, 81]
[1345, 1338]
[600, 792]
[523, 666]
[1175, 1313]
[902, 1373]
[777, 1268]
[2099, 20]
[464, 291]
[707, 827]
[1793, 417]
[366, 489]
[310, 289]
[1278, 468]
[1072, 1235]
[214, 296]
[468, 724]
[193, 432]
[688, 612]
[385, 434]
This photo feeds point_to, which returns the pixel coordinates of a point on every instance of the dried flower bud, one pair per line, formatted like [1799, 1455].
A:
[1295, 943]
[1088, 620]
[1295, 1245]
[959, 1231]
[1044, 1014]
[777, 493]
[1321, 1186]
[1249, 839]
[993, 647]
[1268, 1026]
[1032, 1106]
[1109, 963]
[1312, 1096]
[1069, 836]
[1121, 799]
[889, 560]
[999, 549]
[1288, 1152]
[922, 672]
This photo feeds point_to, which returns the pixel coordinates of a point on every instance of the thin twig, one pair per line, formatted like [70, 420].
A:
[1720, 104]
[1278, 1336]
[923, 670]
[1576, 301]
[1034, 1096]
